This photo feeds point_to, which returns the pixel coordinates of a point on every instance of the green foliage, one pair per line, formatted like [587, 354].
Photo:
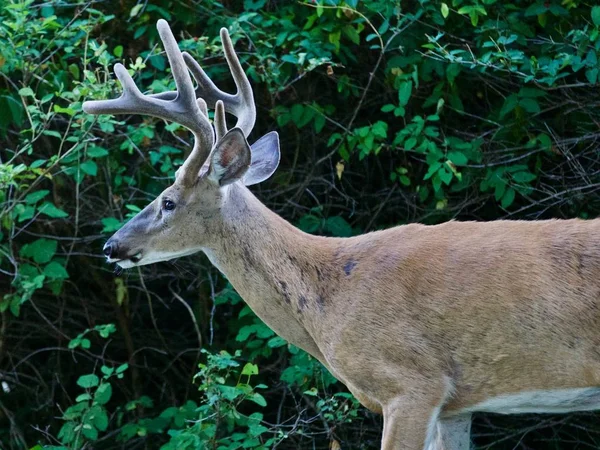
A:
[88, 417]
[388, 113]
[219, 422]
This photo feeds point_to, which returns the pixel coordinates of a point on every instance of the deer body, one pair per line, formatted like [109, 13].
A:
[425, 324]
[500, 329]
[486, 324]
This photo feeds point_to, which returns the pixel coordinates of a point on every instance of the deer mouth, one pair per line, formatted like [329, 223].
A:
[126, 263]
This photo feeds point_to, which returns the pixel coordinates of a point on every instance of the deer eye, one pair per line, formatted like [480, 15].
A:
[168, 205]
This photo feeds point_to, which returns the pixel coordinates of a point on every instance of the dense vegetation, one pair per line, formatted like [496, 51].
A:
[389, 112]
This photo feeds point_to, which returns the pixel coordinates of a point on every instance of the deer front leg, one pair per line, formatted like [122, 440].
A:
[454, 433]
[410, 423]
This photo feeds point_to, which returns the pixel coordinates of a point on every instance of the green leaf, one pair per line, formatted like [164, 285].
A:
[309, 223]
[319, 122]
[111, 224]
[83, 397]
[596, 15]
[499, 190]
[445, 175]
[41, 250]
[276, 342]
[136, 9]
[542, 19]
[410, 143]
[136, 209]
[510, 103]
[96, 152]
[338, 227]
[433, 168]
[296, 112]
[531, 92]
[74, 70]
[523, 177]
[530, 105]
[445, 10]
[103, 394]
[591, 59]
[508, 198]
[404, 92]
[36, 196]
[313, 392]
[107, 371]
[26, 92]
[25, 212]
[258, 399]
[334, 38]
[535, 9]
[545, 141]
[290, 58]
[105, 330]
[458, 158]
[307, 116]
[254, 5]
[89, 167]
[229, 392]
[250, 369]
[60, 110]
[140, 31]
[592, 75]
[56, 271]
[52, 133]
[452, 71]
[118, 51]
[352, 34]
[99, 418]
[158, 62]
[52, 211]
[88, 381]
[89, 431]
[67, 432]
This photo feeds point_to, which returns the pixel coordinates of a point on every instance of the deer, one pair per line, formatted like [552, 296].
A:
[425, 324]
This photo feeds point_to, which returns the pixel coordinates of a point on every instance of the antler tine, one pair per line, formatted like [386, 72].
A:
[203, 106]
[240, 104]
[220, 123]
[179, 106]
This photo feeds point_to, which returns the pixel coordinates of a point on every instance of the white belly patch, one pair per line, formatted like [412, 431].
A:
[554, 401]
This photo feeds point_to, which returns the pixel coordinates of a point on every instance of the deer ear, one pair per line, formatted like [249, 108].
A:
[230, 159]
[265, 159]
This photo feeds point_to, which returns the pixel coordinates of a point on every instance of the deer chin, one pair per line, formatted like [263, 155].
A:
[151, 257]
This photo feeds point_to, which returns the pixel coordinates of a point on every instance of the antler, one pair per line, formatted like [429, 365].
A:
[187, 106]
[179, 106]
[240, 104]
[220, 123]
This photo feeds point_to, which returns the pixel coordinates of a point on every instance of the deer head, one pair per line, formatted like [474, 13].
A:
[219, 158]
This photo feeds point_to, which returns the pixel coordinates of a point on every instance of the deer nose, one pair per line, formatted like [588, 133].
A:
[109, 249]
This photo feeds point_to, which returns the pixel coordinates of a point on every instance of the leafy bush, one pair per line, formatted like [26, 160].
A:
[388, 113]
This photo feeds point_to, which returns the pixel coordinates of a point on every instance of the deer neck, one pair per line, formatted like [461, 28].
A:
[276, 268]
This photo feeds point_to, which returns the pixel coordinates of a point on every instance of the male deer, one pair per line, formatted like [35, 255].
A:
[425, 324]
